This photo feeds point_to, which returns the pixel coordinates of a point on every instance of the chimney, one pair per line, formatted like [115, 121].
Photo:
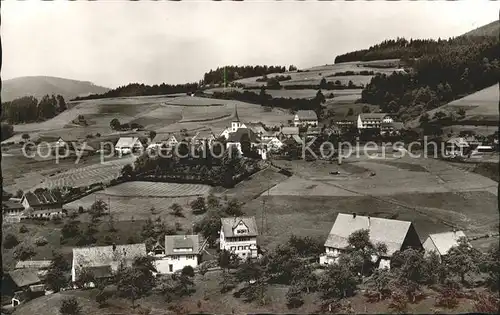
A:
[368, 220]
[354, 215]
[114, 246]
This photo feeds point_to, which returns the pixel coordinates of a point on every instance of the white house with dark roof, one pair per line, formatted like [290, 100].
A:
[103, 261]
[177, 252]
[441, 243]
[41, 203]
[239, 235]
[396, 234]
[127, 145]
[373, 120]
[305, 118]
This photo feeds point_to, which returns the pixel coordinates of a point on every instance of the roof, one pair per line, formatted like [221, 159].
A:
[290, 130]
[390, 232]
[204, 134]
[40, 197]
[127, 142]
[98, 256]
[307, 115]
[372, 116]
[257, 128]
[236, 136]
[24, 277]
[182, 242]
[445, 241]
[33, 264]
[100, 271]
[228, 224]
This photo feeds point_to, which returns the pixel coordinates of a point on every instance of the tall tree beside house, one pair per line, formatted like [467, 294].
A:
[463, 259]
[136, 281]
[361, 249]
[246, 146]
[337, 282]
[209, 226]
[56, 275]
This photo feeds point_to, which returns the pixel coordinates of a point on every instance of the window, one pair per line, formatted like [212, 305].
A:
[233, 248]
[240, 247]
[189, 257]
[175, 257]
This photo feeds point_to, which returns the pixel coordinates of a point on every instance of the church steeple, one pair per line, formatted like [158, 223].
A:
[236, 117]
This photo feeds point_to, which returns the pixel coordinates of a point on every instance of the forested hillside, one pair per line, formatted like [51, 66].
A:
[28, 109]
[240, 72]
[443, 70]
[136, 89]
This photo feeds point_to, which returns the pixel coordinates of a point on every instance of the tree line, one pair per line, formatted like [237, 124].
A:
[28, 109]
[233, 73]
[136, 89]
[450, 70]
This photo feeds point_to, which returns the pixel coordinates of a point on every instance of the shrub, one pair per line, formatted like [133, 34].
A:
[294, 297]
[23, 229]
[188, 271]
[70, 306]
[41, 241]
[10, 241]
[24, 252]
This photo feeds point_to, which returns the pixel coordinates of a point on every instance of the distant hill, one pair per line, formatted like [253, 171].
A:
[38, 86]
[491, 29]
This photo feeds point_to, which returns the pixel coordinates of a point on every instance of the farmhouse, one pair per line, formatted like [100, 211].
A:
[41, 203]
[103, 261]
[178, 252]
[239, 235]
[397, 235]
[22, 284]
[441, 243]
[288, 132]
[127, 145]
[305, 118]
[372, 120]
[10, 207]
[274, 144]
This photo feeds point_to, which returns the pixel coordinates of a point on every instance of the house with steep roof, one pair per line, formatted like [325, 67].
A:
[22, 284]
[441, 243]
[177, 252]
[103, 261]
[372, 120]
[41, 203]
[11, 207]
[239, 235]
[395, 234]
[305, 118]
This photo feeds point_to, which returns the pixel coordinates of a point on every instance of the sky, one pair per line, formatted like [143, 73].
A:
[113, 43]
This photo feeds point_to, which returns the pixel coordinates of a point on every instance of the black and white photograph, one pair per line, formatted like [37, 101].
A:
[245, 157]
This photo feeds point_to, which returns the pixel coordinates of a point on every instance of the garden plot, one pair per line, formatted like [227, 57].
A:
[155, 189]
[87, 175]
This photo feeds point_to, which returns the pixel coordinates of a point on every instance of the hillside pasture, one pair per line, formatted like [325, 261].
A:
[480, 108]
[314, 75]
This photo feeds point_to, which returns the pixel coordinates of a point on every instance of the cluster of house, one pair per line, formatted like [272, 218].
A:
[467, 146]
[237, 235]
[260, 139]
[397, 235]
[37, 204]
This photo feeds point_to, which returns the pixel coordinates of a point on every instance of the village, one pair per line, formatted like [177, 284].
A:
[236, 158]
